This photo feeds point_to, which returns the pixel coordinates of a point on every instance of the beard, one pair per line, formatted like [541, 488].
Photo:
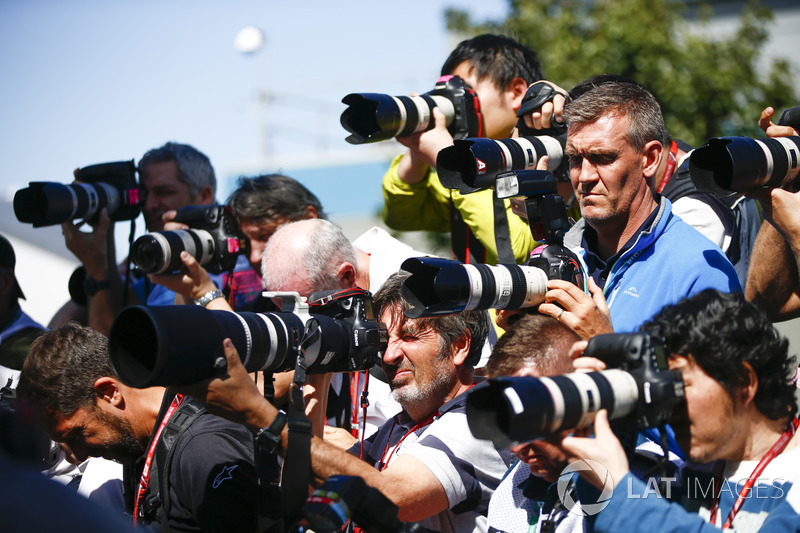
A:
[430, 382]
[125, 447]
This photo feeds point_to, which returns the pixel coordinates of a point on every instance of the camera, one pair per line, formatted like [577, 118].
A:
[545, 209]
[472, 165]
[343, 498]
[109, 185]
[373, 117]
[725, 166]
[639, 391]
[213, 239]
[440, 287]
[177, 345]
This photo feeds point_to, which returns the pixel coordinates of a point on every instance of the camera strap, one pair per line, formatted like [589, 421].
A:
[502, 234]
[771, 454]
[296, 472]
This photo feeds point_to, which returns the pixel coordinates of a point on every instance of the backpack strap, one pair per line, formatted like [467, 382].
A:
[156, 504]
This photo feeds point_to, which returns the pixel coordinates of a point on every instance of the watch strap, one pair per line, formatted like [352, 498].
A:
[205, 299]
[268, 438]
[91, 286]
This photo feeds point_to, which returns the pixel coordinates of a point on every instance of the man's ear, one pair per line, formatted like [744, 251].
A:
[749, 387]
[107, 389]
[517, 87]
[460, 349]
[206, 196]
[310, 212]
[651, 156]
[346, 275]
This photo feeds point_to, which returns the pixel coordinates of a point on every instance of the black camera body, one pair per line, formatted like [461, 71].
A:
[726, 166]
[106, 185]
[178, 345]
[373, 117]
[639, 391]
[353, 310]
[474, 164]
[557, 262]
[214, 239]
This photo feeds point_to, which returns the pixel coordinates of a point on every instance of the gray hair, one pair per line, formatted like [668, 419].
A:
[450, 328]
[319, 252]
[194, 167]
[272, 195]
[625, 100]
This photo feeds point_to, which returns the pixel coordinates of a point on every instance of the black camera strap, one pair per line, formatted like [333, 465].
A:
[296, 472]
[502, 233]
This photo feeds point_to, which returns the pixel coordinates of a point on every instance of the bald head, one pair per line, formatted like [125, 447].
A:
[306, 256]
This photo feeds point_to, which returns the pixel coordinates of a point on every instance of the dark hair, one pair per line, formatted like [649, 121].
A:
[646, 123]
[595, 81]
[534, 340]
[272, 195]
[61, 368]
[721, 332]
[499, 57]
[194, 167]
[450, 328]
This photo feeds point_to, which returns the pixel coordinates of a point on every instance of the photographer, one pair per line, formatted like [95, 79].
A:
[534, 345]
[171, 176]
[184, 468]
[17, 329]
[482, 227]
[425, 459]
[639, 256]
[737, 426]
[773, 282]
[731, 223]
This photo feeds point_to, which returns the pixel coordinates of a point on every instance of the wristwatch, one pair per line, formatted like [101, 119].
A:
[91, 286]
[205, 299]
[268, 438]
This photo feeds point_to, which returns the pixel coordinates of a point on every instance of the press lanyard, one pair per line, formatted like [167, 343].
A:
[773, 452]
[145, 479]
[673, 159]
[383, 463]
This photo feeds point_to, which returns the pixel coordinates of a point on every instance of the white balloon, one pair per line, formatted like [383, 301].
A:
[249, 40]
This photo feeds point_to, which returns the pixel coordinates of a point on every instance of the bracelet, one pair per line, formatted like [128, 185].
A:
[268, 438]
[205, 299]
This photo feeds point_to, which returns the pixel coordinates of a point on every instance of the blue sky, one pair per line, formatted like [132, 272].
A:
[89, 81]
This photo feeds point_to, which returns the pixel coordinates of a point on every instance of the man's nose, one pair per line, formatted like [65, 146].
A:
[256, 253]
[392, 355]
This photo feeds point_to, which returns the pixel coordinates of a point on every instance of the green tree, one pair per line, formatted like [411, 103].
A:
[707, 86]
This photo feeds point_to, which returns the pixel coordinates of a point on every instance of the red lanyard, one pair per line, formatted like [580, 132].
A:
[671, 162]
[145, 479]
[384, 463]
[773, 452]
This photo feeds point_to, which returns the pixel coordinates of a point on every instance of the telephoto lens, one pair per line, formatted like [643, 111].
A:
[728, 165]
[106, 185]
[439, 286]
[159, 252]
[181, 344]
[511, 410]
[472, 165]
[639, 391]
[374, 117]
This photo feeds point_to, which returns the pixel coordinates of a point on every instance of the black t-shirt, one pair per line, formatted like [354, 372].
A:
[213, 482]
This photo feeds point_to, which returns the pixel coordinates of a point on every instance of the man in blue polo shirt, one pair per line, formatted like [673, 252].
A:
[639, 255]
